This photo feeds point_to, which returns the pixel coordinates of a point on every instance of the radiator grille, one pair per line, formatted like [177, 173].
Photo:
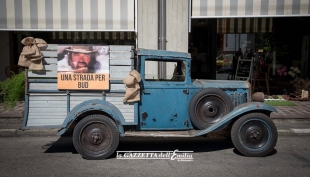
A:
[238, 98]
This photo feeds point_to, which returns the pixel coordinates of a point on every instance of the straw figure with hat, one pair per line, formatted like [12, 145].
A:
[79, 59]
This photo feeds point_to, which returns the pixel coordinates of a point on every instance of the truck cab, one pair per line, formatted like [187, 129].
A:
[164, 97]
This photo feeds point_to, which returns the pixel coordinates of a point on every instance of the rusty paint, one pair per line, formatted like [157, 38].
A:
[250, 89]
[158, 133]
[185, 91]
[200, 83]
[257, 106]
[144, 115]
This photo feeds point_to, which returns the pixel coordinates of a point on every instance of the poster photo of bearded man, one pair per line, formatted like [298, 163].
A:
[83, 67]
[83, 59]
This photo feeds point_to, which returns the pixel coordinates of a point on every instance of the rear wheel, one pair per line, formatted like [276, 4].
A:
[96, 137]
[254, 135]
[208, 106]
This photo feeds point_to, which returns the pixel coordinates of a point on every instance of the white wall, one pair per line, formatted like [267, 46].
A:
[4, 53]
[148, 30]
[177, 25]
[176, 28]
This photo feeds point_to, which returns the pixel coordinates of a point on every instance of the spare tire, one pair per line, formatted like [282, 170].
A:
[208, 106]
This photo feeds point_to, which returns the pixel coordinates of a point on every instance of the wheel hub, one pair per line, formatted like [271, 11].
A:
[96, 138]
[254, 135]
[210, 110]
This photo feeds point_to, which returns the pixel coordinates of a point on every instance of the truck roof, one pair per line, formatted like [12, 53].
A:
[163, 53]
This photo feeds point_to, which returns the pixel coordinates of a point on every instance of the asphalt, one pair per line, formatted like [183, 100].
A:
[290, 121]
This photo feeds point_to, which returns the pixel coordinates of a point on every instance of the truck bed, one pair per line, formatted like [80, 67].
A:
[46, 106]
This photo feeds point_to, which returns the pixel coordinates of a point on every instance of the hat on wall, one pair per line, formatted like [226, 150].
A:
[81, 49]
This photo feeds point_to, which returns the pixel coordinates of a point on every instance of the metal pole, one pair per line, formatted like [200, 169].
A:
[189, 16]
[162, 36]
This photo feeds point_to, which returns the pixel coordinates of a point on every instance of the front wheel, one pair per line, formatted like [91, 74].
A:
[96, 137]
[254, 135]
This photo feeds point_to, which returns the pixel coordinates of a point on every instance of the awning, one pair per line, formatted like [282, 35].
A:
[67, 15]
[249, 8]
[94, 35]
[244, 25]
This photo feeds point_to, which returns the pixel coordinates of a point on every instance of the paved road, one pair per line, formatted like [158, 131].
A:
[54, 156]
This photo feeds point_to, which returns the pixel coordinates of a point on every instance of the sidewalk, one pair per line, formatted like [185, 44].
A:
[290, 120]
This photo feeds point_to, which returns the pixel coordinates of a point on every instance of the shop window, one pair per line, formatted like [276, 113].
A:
[231, 47]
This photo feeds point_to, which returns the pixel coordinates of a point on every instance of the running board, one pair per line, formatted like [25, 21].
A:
[157, 133]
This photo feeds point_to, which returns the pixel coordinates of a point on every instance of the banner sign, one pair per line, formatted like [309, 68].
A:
[83, 67]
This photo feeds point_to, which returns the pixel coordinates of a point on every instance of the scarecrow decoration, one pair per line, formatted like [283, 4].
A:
[132, 87]
[31, 56]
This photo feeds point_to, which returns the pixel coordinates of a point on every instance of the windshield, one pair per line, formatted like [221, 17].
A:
[175, 70]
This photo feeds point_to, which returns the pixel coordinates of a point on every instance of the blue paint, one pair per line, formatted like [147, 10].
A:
[90, 105]
[163, 53]
[223, 84]
[68, 103]
[26, 111]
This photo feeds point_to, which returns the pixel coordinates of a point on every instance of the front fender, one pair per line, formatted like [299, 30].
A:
[90, 105]
[239, 110]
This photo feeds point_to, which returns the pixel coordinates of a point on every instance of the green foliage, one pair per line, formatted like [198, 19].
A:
[13, 90]
[269, 44]
[279, 103]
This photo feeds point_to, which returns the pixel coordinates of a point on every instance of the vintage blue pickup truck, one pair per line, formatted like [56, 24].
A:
[170, 105]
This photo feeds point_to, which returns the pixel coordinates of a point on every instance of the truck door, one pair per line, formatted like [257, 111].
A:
[164, 101]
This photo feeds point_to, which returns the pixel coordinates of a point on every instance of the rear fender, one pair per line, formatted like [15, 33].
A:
[239, 110]
[94, 105]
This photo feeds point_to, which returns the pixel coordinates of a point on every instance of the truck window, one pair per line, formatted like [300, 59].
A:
[175, 71]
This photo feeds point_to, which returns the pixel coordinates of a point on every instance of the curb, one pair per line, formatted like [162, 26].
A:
[34, 132]
[53, 132]
[290, 120]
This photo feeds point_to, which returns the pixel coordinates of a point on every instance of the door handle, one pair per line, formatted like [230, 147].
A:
[145, 92]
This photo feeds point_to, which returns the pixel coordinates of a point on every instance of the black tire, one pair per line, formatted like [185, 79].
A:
[254, 135]
[208, 106]
[96, 137]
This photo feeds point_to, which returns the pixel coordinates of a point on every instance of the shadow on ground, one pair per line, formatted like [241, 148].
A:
[63, 144]
[197, 144]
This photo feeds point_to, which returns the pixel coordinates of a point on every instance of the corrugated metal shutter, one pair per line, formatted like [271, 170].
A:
[249, 8]
[67, 15]
[244, 25]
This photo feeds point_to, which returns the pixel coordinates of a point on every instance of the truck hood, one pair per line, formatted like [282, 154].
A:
[227, 84]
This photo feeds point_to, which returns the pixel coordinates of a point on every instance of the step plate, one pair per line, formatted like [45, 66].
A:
[158, 134]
